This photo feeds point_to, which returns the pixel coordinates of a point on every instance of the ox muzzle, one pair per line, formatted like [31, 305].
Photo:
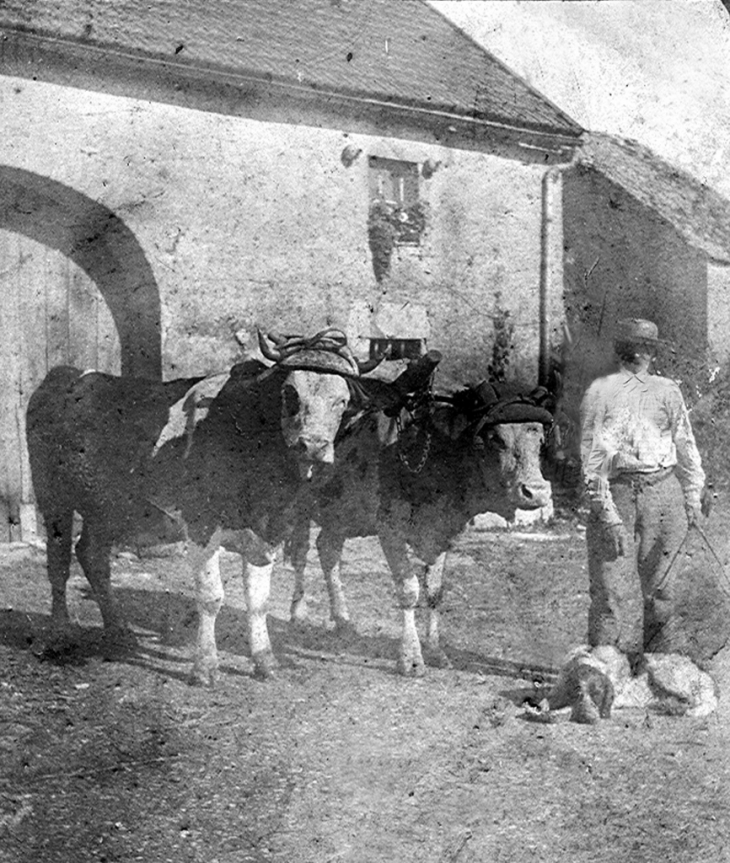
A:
[313, 405]
[314, 456]
[533, 494]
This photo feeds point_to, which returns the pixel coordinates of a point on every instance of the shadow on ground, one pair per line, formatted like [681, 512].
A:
[165, 624]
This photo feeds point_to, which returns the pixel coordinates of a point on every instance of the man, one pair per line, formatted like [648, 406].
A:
[644, 482]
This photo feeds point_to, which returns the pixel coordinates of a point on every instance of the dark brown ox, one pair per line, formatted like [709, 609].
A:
[224, 456]
[468, 454]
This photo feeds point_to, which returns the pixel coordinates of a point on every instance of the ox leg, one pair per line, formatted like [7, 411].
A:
[58, 554]
[329, 547]
[204, 562]
[410, 660]
[258, 562]
[299, 547]
[433, 584]
[93, 550]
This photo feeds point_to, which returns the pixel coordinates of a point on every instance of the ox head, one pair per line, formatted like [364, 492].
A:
[315, 393]
[518, 447]
[512, 430]
[506, 436]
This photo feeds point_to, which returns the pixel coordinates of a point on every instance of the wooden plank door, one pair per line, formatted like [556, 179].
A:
[51, 314]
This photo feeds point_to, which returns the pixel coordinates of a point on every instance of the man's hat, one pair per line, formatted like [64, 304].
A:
[636, 330]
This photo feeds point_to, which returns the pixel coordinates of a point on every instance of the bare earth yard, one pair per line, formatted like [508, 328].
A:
[339, 759]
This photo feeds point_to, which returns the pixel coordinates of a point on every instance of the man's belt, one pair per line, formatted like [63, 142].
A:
[639, 479]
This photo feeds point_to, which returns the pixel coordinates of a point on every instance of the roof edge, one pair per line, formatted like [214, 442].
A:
[697, 212]
[186, 69]
[568, 119]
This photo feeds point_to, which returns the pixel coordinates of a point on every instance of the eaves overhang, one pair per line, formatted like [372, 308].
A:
[123, 72]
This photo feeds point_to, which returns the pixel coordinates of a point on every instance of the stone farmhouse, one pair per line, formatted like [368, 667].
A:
[175, 173]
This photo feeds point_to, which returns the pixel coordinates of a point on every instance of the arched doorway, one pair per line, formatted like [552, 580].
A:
[100, 243]
[77, 289]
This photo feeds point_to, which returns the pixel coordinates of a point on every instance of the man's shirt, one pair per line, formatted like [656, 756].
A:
[638, 423]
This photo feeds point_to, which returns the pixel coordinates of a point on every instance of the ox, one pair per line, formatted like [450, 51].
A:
[225, 456]
[459, 456]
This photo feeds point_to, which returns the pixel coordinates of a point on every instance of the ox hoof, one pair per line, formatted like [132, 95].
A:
[436, 658]
[264, 665]
[118, 641]
[298, 612]
[345, 629]
[62, 635]
[411, 667]
[60, 644]
[206, 677]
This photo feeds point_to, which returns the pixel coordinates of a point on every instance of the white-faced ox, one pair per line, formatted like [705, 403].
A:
[225, 456]
[419, 489]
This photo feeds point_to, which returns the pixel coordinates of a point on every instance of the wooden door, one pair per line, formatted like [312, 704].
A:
[51, 314]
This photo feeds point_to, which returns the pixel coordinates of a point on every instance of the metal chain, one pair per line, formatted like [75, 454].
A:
[423, 406]
[415, 469]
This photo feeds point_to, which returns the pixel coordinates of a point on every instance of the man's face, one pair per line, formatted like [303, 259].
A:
[636, 356]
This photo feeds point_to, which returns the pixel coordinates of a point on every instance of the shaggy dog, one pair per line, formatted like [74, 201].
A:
[592, 681]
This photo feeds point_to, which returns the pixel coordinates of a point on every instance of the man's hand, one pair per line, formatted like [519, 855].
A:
[706, 500]
[695, 509]
[616, 539]
[694, 513]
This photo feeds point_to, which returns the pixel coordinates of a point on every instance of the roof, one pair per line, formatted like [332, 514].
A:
[698, 213]
[401, 53]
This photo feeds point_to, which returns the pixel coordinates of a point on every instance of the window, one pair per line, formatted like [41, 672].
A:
[397, 349]
[394, 197]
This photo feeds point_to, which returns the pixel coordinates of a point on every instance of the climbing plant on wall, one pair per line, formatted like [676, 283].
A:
[390, 225]
[503, 340]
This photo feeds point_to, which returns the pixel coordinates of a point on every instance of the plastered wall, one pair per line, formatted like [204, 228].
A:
[247, 223]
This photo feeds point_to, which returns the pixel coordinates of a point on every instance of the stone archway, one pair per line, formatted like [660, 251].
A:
[101, 244]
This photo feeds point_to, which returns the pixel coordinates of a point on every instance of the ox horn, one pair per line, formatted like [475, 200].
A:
[366, 366]
[270, 353]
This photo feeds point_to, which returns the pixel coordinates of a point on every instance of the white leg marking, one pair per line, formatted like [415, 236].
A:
[330, 548]
[411, 658]
[258, 586]
[433, 629]
[204, 562]
[410, 661]
[433, 581]
[299, 549]
[298, 611]
[338, 603]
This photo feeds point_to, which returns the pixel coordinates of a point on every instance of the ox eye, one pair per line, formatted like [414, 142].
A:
[289, 401]
[496, 441]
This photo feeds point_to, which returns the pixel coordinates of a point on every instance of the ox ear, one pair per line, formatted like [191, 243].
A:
[449, 422]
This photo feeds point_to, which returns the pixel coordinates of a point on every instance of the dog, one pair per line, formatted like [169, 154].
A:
[594, 681]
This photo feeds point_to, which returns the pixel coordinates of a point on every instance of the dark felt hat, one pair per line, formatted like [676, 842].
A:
[635, 330]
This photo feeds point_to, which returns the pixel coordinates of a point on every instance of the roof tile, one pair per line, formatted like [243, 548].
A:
[401, 52]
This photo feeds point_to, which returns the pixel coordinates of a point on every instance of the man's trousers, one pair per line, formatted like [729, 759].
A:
[632, 597]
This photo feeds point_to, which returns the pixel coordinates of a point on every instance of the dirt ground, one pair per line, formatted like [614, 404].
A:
[338, 758]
